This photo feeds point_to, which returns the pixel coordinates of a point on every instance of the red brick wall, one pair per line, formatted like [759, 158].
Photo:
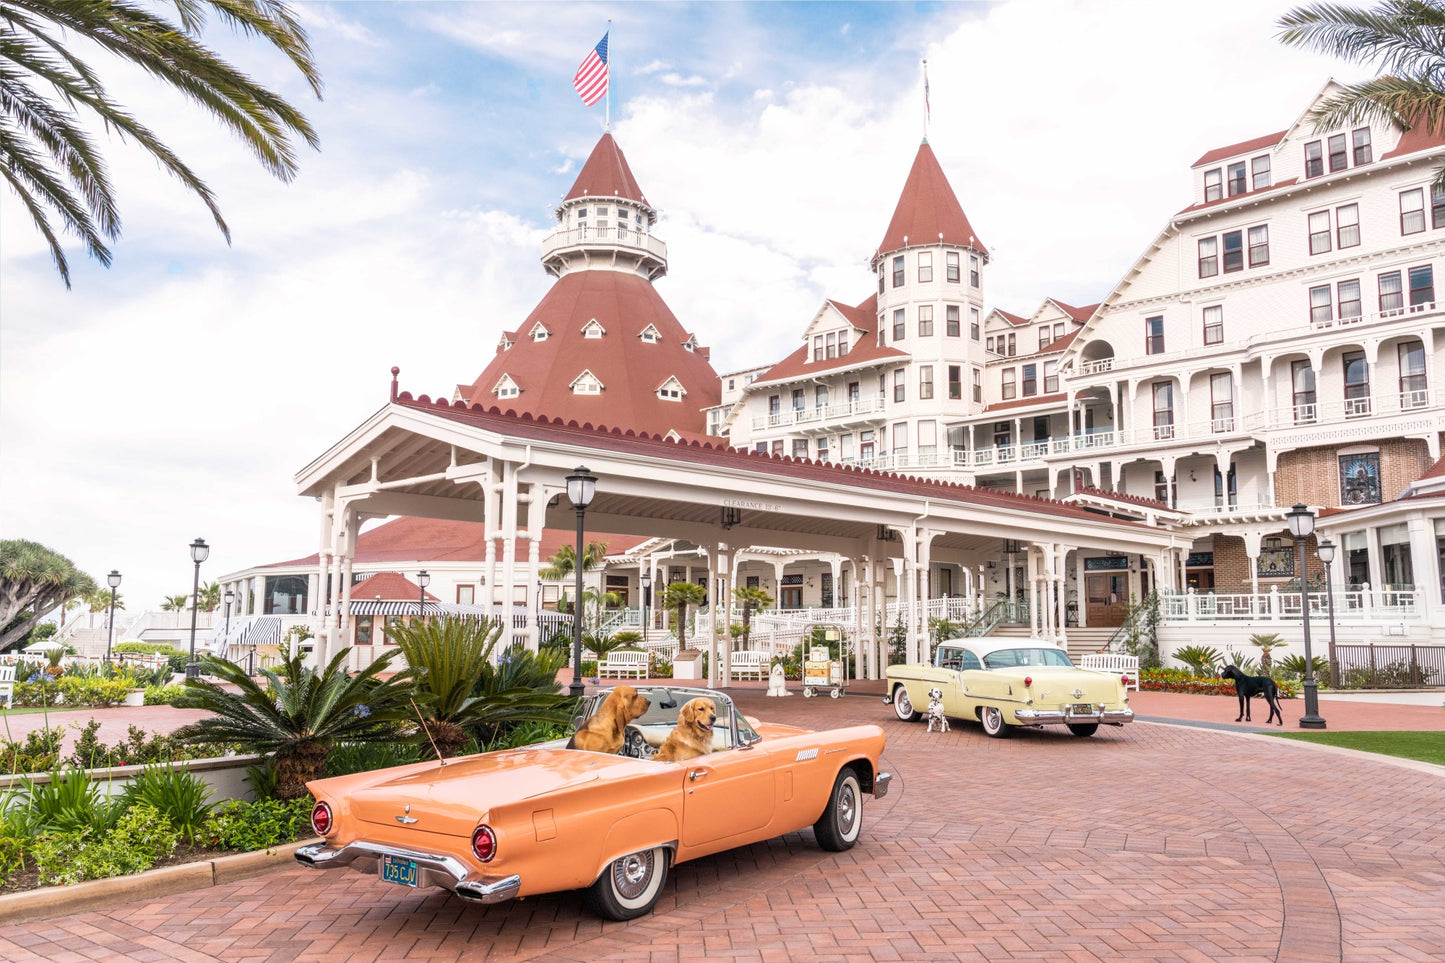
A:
[1312, 475]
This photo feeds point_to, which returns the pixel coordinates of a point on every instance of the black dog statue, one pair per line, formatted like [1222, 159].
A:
[1249, 686]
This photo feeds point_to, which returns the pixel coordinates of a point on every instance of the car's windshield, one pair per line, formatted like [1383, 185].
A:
[1011, 658]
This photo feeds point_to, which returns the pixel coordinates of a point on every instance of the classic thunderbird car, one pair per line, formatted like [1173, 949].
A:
[1004, 682]
[545, 818]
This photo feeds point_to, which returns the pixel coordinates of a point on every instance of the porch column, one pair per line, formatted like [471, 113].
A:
[349, 526]
[536, 514]
[724, 607]
[910, 649]
[491, 517]
[509, 557]
[836, 564]
[865, 667]
[320, 626]
[713, 673]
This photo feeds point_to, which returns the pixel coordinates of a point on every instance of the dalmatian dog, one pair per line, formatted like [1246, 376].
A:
[935, 711]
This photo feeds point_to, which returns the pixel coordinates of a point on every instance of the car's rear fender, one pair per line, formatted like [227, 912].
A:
[638, 832]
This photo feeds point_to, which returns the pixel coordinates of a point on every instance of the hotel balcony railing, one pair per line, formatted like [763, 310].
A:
[1360, 604]
[1345, 410]
[619, 236]
[820, 416]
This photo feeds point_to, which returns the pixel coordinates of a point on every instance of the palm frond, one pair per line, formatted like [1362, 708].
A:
[1397, 35]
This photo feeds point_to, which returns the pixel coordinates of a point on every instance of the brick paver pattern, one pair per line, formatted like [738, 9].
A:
[1151, 842]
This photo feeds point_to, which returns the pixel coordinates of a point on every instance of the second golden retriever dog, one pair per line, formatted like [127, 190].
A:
[604, 729]
[693, 735]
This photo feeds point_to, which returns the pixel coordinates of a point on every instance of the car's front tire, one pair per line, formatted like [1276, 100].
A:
[993, 724]
[842, 820]
[1083, 729]
[903, 707]
[630, 886]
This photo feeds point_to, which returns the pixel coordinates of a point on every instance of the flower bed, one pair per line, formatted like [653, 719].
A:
[1182, 680]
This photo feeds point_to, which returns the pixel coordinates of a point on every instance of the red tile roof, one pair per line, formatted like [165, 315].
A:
[1244, 147]
[1024, 402]
[1123, 497]
[606, 174]
[605, 438]
[629, 368]
[1434, 471]
[928, 208]
[865, 350]
[389, 587]
[1277, 185]
[408, 539]
[1416, 138]
[1078, 314]
[1013, 319]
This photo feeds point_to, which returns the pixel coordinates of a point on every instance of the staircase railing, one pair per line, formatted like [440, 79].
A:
[1004, 610]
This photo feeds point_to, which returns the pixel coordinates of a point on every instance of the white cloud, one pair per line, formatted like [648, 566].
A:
[677, 80]
[653, 67]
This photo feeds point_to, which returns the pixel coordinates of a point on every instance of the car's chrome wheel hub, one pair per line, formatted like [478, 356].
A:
[631, 874]
[847, 809]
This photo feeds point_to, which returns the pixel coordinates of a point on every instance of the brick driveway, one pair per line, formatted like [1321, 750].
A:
[1152, 842]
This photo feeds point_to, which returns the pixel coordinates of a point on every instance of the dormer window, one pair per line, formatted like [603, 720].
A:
[539, 333]
[592, 330]
[1259, 172]
[506, 388]
[650, 335]
[503, 343]
[586, 384]
[1236, 179]
[690, 344]
[1362, 146]
[671, 390]
[1213, 185]
[1314, 159]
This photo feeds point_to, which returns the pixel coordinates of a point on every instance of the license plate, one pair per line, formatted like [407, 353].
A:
[1083, 708]
[394, 869]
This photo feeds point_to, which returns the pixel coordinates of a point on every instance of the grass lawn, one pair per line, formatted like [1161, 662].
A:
[1420, 746]
[22, 712]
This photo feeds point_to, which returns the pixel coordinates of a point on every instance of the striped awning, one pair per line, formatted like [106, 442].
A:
[265, 630]
[519, 613]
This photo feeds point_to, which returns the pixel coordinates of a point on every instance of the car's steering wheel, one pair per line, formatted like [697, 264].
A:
[635, 745]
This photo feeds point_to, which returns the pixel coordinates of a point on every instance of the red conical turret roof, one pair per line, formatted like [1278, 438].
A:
[927, 209]
[606, 174]
[630, 368]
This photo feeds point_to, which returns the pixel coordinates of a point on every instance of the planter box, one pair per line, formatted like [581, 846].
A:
[225, 775]
[135, 697]
[687, 664]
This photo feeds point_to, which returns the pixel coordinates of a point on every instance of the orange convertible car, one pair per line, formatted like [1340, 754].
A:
[545, 818]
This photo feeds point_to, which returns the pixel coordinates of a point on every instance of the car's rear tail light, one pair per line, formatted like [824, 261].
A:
[1124, 680]
[484, 843]
[321, 819]
[1028, 681]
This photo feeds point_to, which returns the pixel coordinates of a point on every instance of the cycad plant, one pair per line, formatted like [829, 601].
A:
[1266, 642]
[450, 656]
[1200, 658]
[301, 713]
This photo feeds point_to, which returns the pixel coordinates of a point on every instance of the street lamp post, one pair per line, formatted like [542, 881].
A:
[581, 487]
[423, 579]
[113, 580]
[1326, 551]
[646, 580]
[230, 597]
[199, 552]
[1302, 526]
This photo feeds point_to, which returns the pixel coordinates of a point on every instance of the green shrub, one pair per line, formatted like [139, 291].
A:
[177, 794]
[71, 802]
[661, 669]
[140, 837]
[1201, 658]
[12, 856]
[529, 734]
[247, 827]
[1295, 665]
[40, 751]
[164, 695]
[263, 779]
[350, 757]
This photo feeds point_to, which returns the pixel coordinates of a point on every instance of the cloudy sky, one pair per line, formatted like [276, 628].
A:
[176, 393]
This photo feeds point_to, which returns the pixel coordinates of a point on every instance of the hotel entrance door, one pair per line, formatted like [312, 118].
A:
[1108, 599]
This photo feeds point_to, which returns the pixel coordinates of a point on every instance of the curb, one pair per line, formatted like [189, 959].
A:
[51, 901]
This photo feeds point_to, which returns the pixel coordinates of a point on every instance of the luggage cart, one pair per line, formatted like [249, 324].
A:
[821, 672]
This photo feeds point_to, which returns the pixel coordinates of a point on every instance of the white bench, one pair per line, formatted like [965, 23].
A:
[1115, 664]
[7, 684]
[750, 664]
[633, 665]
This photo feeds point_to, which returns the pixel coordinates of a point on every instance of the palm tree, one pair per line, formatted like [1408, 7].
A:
[449, 655]
[176, 603]
[679, 595]
[300, 715]
[1266, 642]
[46, 155]
[210, 596]
[751, 598]
[1401, 38]
[99, 601]
[564, 561]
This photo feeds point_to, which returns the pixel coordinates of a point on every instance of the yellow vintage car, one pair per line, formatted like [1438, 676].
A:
[545, 818]
[1008, 682]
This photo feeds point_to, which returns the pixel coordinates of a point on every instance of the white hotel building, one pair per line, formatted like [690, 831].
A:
[1276, 343]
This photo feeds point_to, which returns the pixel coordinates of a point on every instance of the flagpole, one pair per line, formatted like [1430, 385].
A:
[609, 75]
[925, 100]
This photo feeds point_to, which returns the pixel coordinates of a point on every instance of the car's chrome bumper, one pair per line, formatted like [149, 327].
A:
[433, 869]
[1045, 717]
[880, 784]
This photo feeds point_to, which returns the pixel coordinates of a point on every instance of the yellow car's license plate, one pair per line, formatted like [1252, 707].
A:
[394, 869]
[1083, 708]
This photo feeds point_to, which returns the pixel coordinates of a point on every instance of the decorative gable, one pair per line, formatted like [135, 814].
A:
[539, 333]
[506, 387]
[650, 334]
[503, 343]
[691, 343]
[671, 390]
[593, 330]
[672, 435]
[586, 384]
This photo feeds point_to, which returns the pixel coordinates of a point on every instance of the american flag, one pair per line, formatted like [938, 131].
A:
[591, 79]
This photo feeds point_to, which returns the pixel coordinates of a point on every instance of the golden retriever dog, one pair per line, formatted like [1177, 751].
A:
[604, 729]
[693, 735]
